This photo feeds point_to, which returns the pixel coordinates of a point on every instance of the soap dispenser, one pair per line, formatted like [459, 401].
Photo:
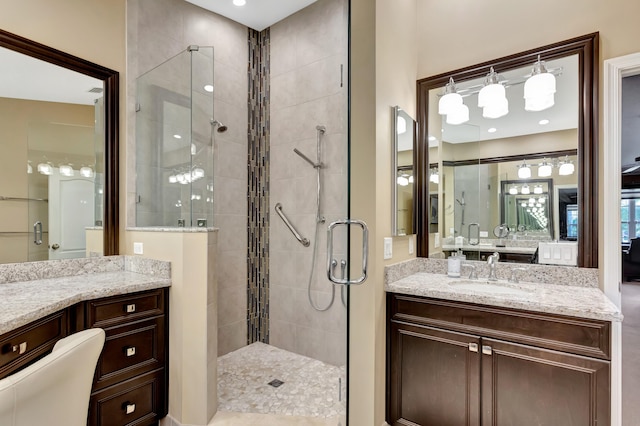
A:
[454, 264]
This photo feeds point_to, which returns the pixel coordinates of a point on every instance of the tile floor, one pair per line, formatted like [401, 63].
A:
[311, 388]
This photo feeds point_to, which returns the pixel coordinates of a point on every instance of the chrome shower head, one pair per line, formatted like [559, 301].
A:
[221, 127]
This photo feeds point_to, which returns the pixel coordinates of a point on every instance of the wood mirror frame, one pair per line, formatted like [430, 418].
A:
[111, 82]
[587, 49]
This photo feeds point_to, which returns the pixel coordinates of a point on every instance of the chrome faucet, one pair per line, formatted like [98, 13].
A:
[491, 261]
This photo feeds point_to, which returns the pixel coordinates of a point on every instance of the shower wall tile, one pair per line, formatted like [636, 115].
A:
[232, 336]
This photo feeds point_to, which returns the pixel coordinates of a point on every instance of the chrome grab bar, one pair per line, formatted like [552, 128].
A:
[365, 252]
[37, 230]
[3, 198]
[303, 241]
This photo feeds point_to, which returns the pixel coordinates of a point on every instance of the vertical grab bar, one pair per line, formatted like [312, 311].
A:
[37, 230]
[365, 251]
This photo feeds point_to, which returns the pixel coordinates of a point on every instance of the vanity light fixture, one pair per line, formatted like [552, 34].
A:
[45, 169]
[566, 167]
[513, 190]
[86, 171]
[197, 173]
[434, 176]
[525, 189]
[524, 170]
[173, 179]
[66, 170]
[451, 105]
[544, 168]
[540, 88]
[402, 181]
[492, 97]
[537, 189]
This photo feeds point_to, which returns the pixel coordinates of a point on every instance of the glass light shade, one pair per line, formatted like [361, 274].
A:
[498, 109]
[566, 169]
[66, 170]
[448, 103]
[544, 170]
[197, 173]
[539, 91]
[410, 179]
[490, 94]
[525, 189]
[434, 177]
[459, 115]
[513, 190]
[173, 179]
[45, 168]
[542, 200]
[86, 171]
[402, 181]
[523, 204]
[524, 171]
[532, 200]
[537, 189]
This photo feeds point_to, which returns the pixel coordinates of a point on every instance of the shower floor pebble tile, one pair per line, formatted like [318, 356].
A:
[310, 386]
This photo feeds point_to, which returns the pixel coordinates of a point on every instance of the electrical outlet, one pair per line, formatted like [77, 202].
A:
[388, 248]
[411, 249]
[137, 248]
[436, 241]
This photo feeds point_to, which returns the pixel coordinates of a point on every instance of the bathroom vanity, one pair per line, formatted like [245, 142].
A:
[496, 353]
[127, 297]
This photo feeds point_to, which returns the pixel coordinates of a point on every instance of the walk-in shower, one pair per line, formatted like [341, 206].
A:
[174, 141]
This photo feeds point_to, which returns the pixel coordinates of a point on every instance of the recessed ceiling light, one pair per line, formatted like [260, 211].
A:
[492, 130]
[432, 138]
[543, 122]
[209, 88]
[239, 2]
[177, 136]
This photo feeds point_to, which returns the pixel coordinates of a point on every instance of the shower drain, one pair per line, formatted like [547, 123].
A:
[276, 383]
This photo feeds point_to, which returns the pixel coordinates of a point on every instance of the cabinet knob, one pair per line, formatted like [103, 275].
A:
[487, 350]
[473, 347]
[129, 407]
[130, 308]
[129, 350]
[21, 348]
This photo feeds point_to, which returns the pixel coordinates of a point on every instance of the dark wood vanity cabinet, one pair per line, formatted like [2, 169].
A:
[131, 380]
[130, 384]
[453, 363]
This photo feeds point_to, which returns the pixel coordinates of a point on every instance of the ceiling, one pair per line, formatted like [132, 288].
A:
[24, 77]
[518, 122]
[256, 14]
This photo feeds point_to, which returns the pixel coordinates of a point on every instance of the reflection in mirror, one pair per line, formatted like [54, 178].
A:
[488, 138]
[403, 132]
[58, 117]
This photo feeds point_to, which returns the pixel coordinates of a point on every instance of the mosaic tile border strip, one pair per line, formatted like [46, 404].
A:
[258, 202]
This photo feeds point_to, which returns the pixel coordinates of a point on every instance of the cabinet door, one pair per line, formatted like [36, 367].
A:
[523, 385]
[434, 377]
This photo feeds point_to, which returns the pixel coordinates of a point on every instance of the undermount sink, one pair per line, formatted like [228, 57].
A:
[485, 286]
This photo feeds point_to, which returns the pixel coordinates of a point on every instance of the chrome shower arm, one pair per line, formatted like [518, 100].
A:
[307, 159]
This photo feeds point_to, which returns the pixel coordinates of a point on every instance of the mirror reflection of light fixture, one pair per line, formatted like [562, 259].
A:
[451, 105]
[45, 169]
[29, 168]
[492, 97]
[525, 189]
[66, 170]
[544, 168]
[513, 190]
[523, 204]
[539, 89]
[537, 189]
[86, 171]
[566, 167]
[402, 181]
[524, 170]
[401, 125]
[434, 176]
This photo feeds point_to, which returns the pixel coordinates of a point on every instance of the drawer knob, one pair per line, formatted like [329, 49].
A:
[130, 308]
[129, 407]
[130, 350]
[21, 348]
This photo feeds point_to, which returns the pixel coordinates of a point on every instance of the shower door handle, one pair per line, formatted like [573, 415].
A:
[365, 251]
[37, 233]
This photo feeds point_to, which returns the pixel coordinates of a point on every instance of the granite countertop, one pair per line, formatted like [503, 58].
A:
[489, 247]
[576, 301]
[22, 302]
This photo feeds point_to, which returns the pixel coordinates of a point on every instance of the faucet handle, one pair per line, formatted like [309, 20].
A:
[472, 275]
[514, 277]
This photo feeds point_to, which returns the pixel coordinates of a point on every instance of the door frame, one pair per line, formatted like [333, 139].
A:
[614, 70]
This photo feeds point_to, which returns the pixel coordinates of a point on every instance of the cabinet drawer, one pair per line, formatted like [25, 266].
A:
[131, 350]
[567, 334]
[120, 309]
[138, 401]
[31, 342]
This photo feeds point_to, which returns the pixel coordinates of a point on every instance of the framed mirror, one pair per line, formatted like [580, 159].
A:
[402, 194]
[508, 140]
[54, 149]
